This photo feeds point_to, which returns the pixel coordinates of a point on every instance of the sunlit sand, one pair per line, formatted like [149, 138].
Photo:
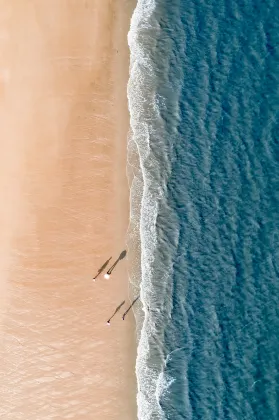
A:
[64, 196]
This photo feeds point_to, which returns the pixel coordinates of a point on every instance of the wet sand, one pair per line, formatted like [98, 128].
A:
[64, 195]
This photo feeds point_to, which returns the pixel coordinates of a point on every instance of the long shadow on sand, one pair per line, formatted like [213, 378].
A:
[115, 312]
[102, 268]
[130, 307]
[121, 257]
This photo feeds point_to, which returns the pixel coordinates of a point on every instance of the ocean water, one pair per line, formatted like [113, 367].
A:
[204, 170]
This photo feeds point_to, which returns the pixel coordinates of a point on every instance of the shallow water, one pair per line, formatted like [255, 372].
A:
[203, 97]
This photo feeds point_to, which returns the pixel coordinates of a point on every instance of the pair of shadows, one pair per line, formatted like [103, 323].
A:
[119, 307]
[121, 257]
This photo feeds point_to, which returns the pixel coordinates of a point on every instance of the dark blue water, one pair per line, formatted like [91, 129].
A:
[204, 102]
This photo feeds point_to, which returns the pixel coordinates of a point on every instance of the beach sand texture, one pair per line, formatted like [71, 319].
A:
[64, 212]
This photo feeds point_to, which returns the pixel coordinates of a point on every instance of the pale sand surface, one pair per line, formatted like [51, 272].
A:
[64, 210]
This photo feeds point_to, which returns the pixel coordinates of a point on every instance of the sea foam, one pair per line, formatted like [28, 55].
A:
[146, 192]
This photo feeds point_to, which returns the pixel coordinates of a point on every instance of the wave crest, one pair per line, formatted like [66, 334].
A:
[147, 173]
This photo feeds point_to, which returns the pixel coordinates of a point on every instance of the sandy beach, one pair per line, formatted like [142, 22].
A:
[65, 211]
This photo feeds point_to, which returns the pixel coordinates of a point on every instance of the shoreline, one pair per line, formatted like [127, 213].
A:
[73, 215]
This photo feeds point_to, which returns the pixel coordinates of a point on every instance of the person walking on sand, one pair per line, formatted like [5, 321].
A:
[115, 312]
[121, 256]
[132, 304]
[101, 269]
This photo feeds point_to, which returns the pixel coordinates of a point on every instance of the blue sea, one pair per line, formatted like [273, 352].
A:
[203, 164]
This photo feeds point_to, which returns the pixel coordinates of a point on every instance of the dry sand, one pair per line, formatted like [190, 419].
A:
[64, 196]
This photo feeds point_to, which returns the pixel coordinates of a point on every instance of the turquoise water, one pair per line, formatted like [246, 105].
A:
[204, 102]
